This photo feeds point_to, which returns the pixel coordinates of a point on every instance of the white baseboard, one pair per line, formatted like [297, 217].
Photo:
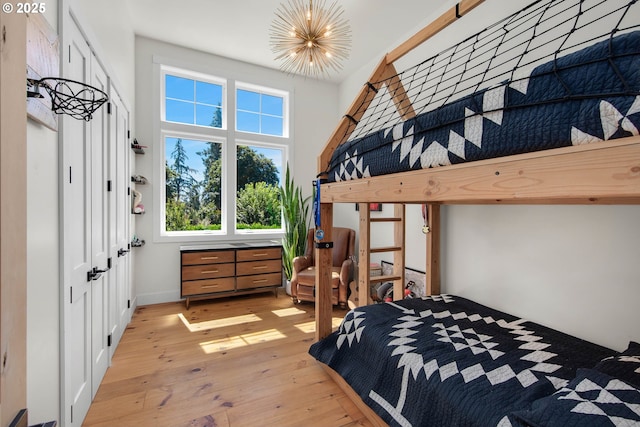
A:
[157, 297]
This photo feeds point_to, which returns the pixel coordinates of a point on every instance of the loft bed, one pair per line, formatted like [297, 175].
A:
[542, 107]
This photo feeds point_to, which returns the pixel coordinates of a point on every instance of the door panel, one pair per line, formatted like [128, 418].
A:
[77, 245]
[118, 222]
[99, 232]
[123, 218]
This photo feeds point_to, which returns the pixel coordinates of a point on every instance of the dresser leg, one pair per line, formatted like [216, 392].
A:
[186, 303]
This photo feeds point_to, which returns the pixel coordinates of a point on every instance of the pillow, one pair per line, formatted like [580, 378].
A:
[625, 366]
[591, 399]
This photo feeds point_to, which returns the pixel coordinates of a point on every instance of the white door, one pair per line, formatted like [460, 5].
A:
[77, 258]
[99, 231]
[123, 217]
[118, 220]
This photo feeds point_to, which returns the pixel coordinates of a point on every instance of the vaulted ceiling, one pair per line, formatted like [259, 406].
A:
[239, 29]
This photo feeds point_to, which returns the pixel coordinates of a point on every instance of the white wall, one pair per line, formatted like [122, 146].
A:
[108, 27]
[43, 284]
[157, 273]
[574, 268]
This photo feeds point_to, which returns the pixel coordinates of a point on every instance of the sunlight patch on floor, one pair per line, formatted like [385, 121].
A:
[291, 311]
[218, 323]
[229, 343]
[310, 327]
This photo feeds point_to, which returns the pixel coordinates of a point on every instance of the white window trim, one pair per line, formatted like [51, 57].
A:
[232, 137]
[163, 188]
[266, 91]
[191, 75]
[285, 155]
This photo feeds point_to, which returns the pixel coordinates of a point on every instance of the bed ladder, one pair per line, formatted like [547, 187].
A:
[363, 294]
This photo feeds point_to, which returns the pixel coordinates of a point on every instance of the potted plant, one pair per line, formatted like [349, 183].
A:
[295, 214]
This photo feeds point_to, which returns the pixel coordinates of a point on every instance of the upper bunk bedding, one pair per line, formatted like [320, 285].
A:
[587, 96]
[448, 361]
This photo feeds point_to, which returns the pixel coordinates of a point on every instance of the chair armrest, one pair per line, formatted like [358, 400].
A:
[301, 262]
[346, 271]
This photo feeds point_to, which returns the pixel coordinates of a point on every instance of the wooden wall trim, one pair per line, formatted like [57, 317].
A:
[13, 216]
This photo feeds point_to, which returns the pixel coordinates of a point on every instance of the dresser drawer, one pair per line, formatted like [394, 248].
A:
[211, 271]
[259, 280]
[258, 254]
[207, 257]
[259, 267]
[197, 287]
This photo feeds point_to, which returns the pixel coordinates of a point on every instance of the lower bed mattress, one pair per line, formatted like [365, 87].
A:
[587, 96]
[448, 361]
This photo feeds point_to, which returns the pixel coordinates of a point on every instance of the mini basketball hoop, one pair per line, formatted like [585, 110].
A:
[70, 97]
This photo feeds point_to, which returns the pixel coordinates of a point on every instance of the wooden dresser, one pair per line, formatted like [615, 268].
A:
[222, 270]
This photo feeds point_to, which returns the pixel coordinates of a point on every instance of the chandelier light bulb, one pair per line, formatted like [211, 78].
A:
[320, 33]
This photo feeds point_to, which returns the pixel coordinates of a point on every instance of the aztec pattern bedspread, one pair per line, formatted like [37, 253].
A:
[587, 96]
[448, 361]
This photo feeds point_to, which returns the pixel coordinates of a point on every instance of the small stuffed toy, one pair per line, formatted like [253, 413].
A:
[138, 207]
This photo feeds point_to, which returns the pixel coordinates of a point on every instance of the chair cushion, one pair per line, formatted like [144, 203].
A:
[307, 277]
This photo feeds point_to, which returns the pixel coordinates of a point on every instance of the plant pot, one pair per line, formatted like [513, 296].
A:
[287, 286]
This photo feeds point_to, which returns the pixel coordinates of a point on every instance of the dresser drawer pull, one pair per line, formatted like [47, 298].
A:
[209, 257]
[209, 286]
[261, 254]
[260, 281]
[260, 267]
[209, 271]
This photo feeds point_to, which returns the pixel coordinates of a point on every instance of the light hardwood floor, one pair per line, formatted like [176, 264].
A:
[233, 362]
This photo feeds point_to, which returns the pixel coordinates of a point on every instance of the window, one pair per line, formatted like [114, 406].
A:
[258, 179]
[192, 101]
[258, 112]
[203, 161]
[193, 184]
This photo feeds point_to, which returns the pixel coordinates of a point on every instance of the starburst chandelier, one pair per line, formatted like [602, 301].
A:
[310, 39]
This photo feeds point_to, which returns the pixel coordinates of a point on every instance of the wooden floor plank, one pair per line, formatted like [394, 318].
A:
[228, 363]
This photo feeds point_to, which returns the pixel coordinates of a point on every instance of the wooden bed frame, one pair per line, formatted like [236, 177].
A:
[599, 173]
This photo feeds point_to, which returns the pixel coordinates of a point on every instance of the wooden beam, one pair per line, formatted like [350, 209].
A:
[399, 94]
[324, 258]
[433, 250]
[398, 256]
[371, 416]
[13, 215]
[383, 71]
[599, 173]
[364, 255]
[355, 111]
[461, 9]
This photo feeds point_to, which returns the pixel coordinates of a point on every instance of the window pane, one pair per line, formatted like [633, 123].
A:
[193, 185]
[272, 105]
[248, 101]
[248, 122]
[179, 88]
[258, 179]
[206, 115]
[271, 125]
[179, 111]
[208, 93]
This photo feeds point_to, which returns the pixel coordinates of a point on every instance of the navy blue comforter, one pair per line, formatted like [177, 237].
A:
[587, 96]
[448, 361]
